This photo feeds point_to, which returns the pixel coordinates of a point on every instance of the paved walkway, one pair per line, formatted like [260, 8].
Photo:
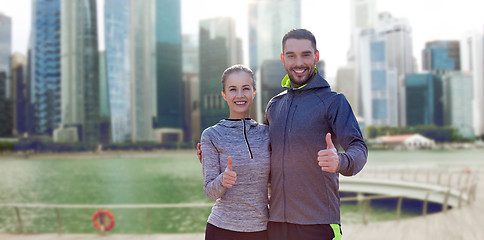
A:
[198, 236]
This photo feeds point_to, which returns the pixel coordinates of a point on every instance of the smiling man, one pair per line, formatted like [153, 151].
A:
[307, 124]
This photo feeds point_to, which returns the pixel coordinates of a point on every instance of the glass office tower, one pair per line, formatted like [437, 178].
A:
[45, 67]
[80, 68]
[117, 21]
[169, 82]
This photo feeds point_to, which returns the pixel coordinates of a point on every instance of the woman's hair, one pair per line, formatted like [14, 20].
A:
[234, 69]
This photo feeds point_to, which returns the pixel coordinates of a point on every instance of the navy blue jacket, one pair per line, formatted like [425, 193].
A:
[298, 120]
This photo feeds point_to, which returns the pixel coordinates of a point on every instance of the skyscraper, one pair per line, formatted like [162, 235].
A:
[104, 114]
[457, 102]
[378, 82]
[363, 15]
[384, 57]
[192, 88]
[80, 68]
[346, 83]
[45, 67]
[169, 84]
[398, 34]
[472, 62]
[5, 51]
[118, 69]
[143, 68]
[217, 51]
[19, 94]
[5, 78]
[130, 66]
[441, 56]
[269, 21]
[424, 106]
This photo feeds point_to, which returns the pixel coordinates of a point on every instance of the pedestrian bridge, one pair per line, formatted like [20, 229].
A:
[414, 190]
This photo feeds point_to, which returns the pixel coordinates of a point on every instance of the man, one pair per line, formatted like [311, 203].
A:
[307, 124]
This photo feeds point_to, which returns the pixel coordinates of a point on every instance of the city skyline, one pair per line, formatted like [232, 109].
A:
[430, 20]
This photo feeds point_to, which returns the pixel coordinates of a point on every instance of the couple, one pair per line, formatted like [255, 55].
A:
[293, 154]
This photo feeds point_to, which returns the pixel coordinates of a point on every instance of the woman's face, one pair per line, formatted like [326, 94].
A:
[239, 93]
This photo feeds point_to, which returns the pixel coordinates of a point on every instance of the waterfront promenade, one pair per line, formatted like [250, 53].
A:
[465, 222]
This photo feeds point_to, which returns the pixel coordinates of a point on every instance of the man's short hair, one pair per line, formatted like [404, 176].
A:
[299, 34]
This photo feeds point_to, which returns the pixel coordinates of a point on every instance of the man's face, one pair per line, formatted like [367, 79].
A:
[299, 59]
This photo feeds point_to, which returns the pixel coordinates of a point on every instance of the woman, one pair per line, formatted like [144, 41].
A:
[236, 162]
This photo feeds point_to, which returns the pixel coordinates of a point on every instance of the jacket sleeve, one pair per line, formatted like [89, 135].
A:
[212, 176]
[348, 136]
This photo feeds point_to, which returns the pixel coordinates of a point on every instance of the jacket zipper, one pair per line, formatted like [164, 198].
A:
[246, 141]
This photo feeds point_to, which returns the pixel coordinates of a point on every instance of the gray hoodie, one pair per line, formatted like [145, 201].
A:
[242, 208]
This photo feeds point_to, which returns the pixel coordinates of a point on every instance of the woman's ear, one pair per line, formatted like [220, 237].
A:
[223, 95]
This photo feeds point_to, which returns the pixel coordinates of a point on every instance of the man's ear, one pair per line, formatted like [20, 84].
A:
[317, 57]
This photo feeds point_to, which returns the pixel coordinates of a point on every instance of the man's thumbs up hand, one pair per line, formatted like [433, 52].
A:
[229, 176]
[328, 158]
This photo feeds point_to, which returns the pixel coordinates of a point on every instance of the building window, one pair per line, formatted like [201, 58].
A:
[379, 108]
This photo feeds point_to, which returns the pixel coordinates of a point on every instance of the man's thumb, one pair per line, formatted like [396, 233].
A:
[329, 142]
[229, 163]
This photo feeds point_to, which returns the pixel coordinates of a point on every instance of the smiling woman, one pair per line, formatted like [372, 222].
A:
[235, 160]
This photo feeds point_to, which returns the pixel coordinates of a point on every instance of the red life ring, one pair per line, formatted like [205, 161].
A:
[99, 221]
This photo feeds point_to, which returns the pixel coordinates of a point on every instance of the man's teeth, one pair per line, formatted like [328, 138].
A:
[299, 71]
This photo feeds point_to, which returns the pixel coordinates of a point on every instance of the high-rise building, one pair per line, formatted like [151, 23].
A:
[192, 88]
[104, 113]
[424, 104]
[346, 83]
[45, 67]
[217, 51]
[19, 94]
[378, 82]
[384, 58]
[169, 82]
[472, 62]
[5, 75]
[268, 22]
[363, 15]
[131, 68]
[80, 68]
[118, 69]
[143, 68]
[441, 56]
[457, 102]
[6, 51]
[268, 84]
[399, 50]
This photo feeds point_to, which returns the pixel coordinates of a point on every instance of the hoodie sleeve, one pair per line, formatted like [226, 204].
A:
[212, 176]
[348, 135]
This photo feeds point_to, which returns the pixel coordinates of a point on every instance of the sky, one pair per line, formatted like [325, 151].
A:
[329, 20]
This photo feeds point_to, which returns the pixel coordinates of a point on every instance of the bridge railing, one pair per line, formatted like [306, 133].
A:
[463, 181]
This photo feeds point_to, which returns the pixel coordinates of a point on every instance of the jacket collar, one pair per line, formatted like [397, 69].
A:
[317, 82]
[233, 123]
